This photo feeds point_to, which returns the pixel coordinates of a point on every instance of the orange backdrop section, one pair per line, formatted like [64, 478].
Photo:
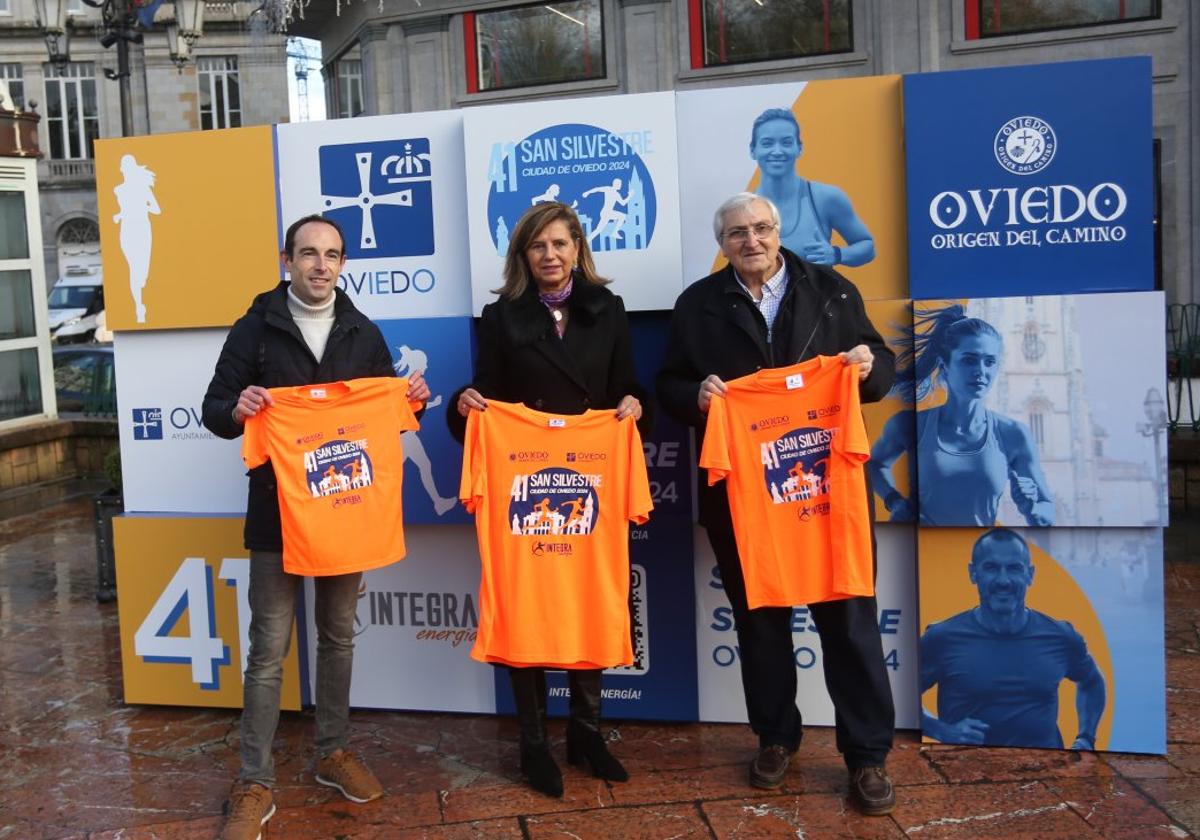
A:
[214, 243]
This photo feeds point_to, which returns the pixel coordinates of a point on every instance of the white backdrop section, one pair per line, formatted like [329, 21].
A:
[612, 158]
[170, 463]
[720, 679]
[395, 185]
[416, 624]
[710, 124]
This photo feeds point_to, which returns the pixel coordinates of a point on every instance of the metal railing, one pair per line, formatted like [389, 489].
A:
[1183, 366]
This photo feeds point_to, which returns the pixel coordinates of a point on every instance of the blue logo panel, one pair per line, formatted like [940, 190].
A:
[599, 174]
[1031, 180]
[381, 194]
[441, 349]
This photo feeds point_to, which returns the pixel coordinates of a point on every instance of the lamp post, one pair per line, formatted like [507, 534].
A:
[119, 19]
[1155, 409]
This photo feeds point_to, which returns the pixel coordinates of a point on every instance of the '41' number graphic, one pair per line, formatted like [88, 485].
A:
[191, 589]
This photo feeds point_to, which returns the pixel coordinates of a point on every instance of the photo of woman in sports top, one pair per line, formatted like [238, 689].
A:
[809, 212]
[966, 454]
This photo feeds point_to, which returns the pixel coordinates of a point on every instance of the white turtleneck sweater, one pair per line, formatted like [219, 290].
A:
[315, 322]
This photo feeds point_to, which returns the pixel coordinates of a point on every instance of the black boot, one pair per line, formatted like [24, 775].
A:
[584, 739]
[529, 693]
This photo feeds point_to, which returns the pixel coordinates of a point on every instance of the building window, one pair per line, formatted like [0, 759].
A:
[1032, 344]
[740, 31]
[5, 8]
[349, 89]
[534, 45]
[1037, 426]
[220, 93]
[11, 74]
[72, 120]
[993, 18]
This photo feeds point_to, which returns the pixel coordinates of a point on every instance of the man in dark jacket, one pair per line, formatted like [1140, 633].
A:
[768, 308]
[301, 332]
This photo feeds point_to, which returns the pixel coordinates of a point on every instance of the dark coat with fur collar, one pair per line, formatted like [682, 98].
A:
[521, 359]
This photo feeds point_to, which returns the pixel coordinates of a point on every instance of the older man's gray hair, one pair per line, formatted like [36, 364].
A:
[741, 201]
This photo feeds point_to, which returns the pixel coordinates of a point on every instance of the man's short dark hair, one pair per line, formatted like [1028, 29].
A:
[289, 238]
[1001, 534]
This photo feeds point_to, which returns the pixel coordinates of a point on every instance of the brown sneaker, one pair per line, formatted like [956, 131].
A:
[250, 806]
[769, 766]
[872, 791]
[345, 771]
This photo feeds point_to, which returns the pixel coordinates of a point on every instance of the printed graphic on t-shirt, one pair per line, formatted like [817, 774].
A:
[554, 501]
[338, 467]
[796, 465]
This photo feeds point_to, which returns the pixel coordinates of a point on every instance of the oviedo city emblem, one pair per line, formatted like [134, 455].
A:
[600, 175]
[1025, 145]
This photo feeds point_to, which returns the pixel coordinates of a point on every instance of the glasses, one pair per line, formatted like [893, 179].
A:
[738, 235]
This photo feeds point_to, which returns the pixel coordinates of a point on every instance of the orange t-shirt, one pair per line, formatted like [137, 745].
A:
[792, 443]
[338, 467]
[553, 496]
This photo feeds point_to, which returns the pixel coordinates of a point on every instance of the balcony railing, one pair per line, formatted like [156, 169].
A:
[69, 171]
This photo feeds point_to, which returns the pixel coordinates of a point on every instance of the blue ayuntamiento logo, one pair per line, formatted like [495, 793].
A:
[382, 196]
[147, 424]
[599, 174]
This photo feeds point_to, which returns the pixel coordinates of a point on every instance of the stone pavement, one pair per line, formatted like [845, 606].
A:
[77, 763]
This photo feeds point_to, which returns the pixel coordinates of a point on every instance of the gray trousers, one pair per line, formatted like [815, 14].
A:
[273, 594]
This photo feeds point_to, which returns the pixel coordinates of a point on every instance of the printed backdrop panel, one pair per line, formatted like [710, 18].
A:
[890, 421]
[1030, 180]
[441, 349]
[720, 680]
[840, 182]
[185, 612]
[187, 226]
[416, 623]
[395, 186]
[612, 158]
[1028, 632]
[661, 682]
[1073, 424]
[170, 463]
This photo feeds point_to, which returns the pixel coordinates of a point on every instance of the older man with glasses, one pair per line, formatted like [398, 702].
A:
[769, 308]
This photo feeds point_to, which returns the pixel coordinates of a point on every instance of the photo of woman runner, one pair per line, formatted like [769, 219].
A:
[810, 212]
[557, 341]
[966, 454]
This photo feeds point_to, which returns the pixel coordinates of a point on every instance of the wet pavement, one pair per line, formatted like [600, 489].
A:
[75, 762]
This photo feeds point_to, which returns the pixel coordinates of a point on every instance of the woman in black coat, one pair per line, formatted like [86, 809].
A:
[557, 341]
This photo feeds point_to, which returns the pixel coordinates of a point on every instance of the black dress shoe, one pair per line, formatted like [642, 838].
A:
[587, 745]
[769, 766]
[540, 769]
[872, 791]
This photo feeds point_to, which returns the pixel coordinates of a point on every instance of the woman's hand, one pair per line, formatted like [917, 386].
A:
[470, 400]
[629, 406]
[862, 356]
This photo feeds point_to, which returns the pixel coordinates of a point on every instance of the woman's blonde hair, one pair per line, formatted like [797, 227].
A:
[537, 218]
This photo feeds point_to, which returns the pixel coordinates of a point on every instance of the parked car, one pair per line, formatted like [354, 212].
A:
[77, 296]
[85, 380]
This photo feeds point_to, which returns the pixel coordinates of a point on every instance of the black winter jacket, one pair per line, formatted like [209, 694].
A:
[265, 348]
[521, 359]
[716, 328]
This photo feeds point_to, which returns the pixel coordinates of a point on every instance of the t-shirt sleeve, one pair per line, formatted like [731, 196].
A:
[1079, 661]
[406, 408]
[714, 457]
[930, 657]
[852, 442]
[473, 483]
[638, 492]
[254, 441]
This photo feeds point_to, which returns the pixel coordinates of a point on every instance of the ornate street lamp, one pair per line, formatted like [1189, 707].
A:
[52, 20]
[185, 30]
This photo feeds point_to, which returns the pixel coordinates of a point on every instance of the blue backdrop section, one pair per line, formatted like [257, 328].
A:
[441, 348]
[1030, 180]
[661, 684]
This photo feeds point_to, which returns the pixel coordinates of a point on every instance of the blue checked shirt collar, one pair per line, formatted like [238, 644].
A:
[772, 295]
